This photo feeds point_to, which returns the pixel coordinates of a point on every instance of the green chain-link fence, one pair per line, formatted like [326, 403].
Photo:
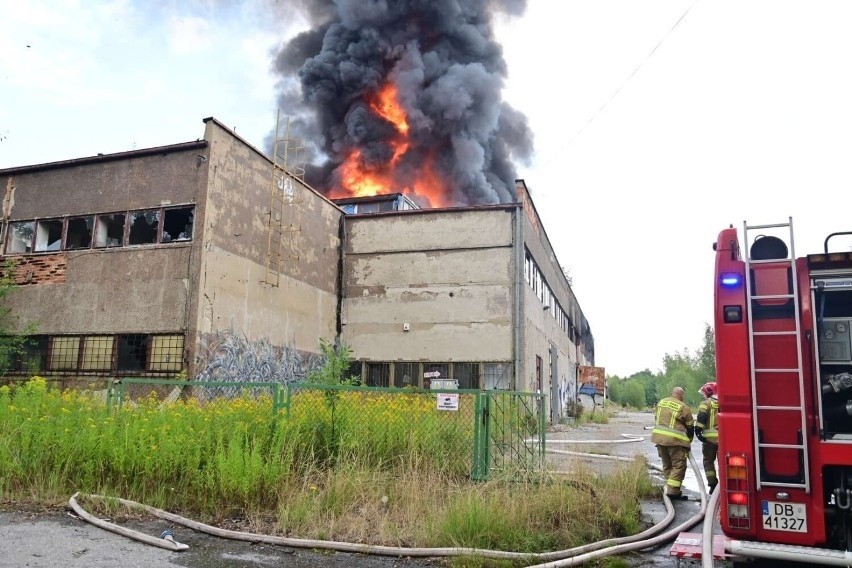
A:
[462, 432]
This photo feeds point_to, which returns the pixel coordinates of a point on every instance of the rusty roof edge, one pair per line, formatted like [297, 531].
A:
[181, 147]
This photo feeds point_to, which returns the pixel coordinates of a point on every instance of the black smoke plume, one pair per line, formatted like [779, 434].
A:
[449, 71]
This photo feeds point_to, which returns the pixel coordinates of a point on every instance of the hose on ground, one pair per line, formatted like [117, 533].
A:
[649, 538]
[707, 530]
[668, 535]
[350, 546]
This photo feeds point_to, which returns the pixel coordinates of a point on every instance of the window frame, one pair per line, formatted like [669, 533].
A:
[6, 230]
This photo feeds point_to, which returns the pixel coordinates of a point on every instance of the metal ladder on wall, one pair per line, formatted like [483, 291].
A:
[753, 336]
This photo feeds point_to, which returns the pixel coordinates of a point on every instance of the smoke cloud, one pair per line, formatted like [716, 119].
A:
[448, 70]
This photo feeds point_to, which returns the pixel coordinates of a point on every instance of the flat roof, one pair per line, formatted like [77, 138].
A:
[157, 150]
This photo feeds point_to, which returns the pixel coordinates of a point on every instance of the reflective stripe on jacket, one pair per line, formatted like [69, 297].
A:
[672, 424]
[708, 419]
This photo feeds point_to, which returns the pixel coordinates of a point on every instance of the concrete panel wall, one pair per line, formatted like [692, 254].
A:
[84, 186]
[128, 289]
[447, 274]
[141, 289]
[540, 330]
[234, 290]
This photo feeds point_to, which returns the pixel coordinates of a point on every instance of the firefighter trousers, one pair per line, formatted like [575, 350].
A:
[674, 467]
[710, 450]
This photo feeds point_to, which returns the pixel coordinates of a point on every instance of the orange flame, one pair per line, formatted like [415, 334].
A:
[386, 104]
[358, 179]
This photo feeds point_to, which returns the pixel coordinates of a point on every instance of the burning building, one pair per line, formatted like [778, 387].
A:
[410, 240]
[160, 261]
[405, 97]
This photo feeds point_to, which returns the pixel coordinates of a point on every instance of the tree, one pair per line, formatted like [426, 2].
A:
[634, 395]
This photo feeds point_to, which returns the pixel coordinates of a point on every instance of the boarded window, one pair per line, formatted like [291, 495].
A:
[166, 353]
[378, 375]
[177, 224]
[110, 230]
[79, 232]
[406, 375]
[20, 238]
[131, 352]
[97, 353]
[143, 227]
[64, 353]
[498, 376]
[48, 235]
[467, 375]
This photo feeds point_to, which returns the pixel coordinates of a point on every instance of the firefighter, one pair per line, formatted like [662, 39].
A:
[673, 431]
[707, 430]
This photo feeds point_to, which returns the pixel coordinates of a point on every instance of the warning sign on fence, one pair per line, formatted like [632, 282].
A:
[448, 401]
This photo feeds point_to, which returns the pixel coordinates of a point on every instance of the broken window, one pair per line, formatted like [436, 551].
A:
[64, 352]
[498, 376]
[32, 358]
[48, 235]
[79, 232]
[166, 353]
[97, 353]
[353, 372]
[20, 238]
[143, 227]
[131, 352]
[406, 375]
[177, 224]
[110, 230]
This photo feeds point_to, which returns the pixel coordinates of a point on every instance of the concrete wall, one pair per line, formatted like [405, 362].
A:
[447, 273]
[143, 288]
[541, 334]
[234, 290]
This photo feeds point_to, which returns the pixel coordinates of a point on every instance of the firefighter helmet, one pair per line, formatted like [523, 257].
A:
[709, 389]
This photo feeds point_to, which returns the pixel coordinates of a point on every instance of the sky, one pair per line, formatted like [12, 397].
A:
[656, 123]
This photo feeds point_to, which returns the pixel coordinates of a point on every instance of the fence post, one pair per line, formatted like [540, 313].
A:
[276, 399]
[481, 428]
[288, 400]
[542, 432]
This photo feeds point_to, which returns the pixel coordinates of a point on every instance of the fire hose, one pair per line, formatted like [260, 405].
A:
[649, 538]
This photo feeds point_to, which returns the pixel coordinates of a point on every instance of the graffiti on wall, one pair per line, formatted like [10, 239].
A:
[566, 393]
[227, 356]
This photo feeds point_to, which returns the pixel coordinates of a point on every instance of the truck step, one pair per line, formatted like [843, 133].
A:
[688, 545]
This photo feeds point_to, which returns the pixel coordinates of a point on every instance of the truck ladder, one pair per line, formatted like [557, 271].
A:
[758, 408]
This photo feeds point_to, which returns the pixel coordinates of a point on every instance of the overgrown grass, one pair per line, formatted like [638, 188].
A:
[398, 478]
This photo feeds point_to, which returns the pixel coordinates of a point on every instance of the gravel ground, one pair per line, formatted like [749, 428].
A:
[53, 538]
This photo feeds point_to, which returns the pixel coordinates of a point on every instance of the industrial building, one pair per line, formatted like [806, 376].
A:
[211, 259]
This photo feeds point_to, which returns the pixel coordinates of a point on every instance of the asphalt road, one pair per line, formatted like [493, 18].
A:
[56, 539]
[51, 539]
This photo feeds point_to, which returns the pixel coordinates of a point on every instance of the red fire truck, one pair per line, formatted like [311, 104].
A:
[784, 370]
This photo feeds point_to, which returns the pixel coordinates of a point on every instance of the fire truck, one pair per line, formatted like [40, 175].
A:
[783, 330]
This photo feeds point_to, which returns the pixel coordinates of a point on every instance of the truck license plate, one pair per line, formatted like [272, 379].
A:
[780, 516]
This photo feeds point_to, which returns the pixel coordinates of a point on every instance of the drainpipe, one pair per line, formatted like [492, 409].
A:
[519, 279]
[341, 235]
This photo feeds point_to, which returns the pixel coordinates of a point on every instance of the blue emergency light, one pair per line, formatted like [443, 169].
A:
[731, 280]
